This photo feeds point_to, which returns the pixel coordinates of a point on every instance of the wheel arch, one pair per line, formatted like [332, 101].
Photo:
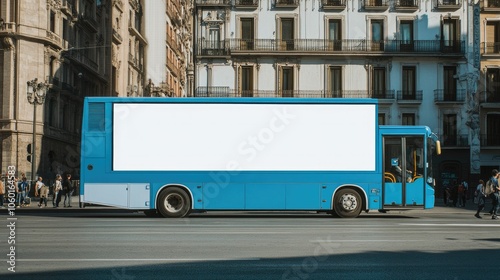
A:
[358, 189]
[171, 185]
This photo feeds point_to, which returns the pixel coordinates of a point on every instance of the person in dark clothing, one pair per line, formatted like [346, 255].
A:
[67, 190]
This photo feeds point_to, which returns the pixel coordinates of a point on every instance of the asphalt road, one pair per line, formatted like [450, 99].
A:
[443, 243]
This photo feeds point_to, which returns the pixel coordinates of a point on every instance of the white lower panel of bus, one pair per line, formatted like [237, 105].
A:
[130, 196]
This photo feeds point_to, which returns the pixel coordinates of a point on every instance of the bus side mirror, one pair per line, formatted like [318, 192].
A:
[438, 147]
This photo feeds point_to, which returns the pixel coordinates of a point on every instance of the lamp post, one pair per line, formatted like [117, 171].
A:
[36, 93]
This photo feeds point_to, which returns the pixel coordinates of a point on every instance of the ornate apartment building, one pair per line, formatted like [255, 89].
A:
[82, 48]
[418, 58]
[488, 100]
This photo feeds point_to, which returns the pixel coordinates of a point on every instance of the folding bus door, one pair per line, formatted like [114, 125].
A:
[404, 183]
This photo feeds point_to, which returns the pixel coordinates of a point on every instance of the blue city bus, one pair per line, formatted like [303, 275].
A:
[174, 156]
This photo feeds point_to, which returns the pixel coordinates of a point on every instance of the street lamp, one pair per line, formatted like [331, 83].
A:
[36, 93]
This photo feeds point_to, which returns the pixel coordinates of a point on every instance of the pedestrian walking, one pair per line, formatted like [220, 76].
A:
[2, 194]
[23, 189]
[495, 195]
[38, 188]
[57, 191]
[465, 194]
[480, 197]
[461, 195]
[67, 190]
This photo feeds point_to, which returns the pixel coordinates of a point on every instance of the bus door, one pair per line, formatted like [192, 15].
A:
[404, 183]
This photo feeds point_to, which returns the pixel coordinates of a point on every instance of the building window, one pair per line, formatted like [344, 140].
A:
[247, 33]
[287, 33]
[381, 118]
[492, 36]
[449, 83]
[286, 81]
[493, 84]
[335, 34]
[246, 81]
[377, 35]
[493, 129]
[214, 37]
[378, 82]
[408, 119]
[408, 83]
[52, 22]
[334, 81]
[450, 129]
[450, 35]
[406, 30]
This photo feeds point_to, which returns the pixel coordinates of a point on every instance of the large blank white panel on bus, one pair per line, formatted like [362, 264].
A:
[244, 137]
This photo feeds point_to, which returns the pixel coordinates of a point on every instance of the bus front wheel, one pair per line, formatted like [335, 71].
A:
[347, 203]
[174, 202]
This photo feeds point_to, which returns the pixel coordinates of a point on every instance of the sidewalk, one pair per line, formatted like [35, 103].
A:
[35, 200]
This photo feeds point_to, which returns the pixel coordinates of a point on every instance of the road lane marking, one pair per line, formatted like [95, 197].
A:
[135, 260]
[453, 225]
[363, 240]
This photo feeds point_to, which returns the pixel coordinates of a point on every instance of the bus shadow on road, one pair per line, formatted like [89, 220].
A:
[321, 263]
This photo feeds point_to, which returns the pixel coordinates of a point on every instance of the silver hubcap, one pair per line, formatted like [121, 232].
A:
[349, 202]
[174, 203]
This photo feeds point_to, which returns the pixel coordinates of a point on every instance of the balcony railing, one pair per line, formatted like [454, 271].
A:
[67, 7]
[213, 2]
[89, 21]
[410, 96]
[406, 4]
[246, 3]
[489, 96]
[452, 96]
[490, 140]
[223, 91]
[333, 4]
[449, 4]
[490, 48]
[376, 4]
[259, 46]
[490, 5]
[287, 3]
[83, 59]
[455, 140]
[54, 37]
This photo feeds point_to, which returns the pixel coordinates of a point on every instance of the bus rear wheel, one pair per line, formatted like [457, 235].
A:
[174, 202]
[347, 203]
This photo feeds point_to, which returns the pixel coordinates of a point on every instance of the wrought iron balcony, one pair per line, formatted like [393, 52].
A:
[448, 4]
[246, 3]
[454, 140]
[89, 21]
[315, 46]
[490, 140]
[224, 91]
[408, 5]
[490, 48]
[333, 4]
[449, 96]
[286, 3]
[490, 5]
[492, 96]
[379, 5]
[214, 3]
[409, 96]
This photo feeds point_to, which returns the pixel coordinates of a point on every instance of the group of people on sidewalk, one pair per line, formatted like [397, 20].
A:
[483, 191]
[61, 188]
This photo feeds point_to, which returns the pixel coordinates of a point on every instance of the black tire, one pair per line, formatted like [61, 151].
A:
[347, 203]
[174, 202]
